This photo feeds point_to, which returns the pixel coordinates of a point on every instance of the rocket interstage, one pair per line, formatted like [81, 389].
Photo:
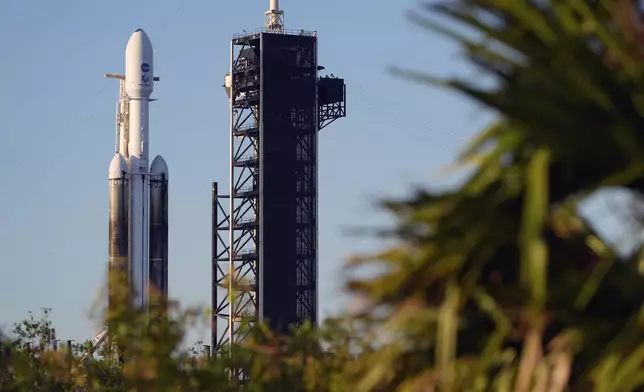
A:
[138, 193]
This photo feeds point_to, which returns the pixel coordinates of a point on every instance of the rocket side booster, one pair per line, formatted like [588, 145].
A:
[118, 221]
[159, 228]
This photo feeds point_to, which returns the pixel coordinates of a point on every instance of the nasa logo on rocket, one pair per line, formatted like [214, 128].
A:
[145, 78]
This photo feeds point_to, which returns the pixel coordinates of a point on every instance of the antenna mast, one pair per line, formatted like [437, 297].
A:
[274, 17]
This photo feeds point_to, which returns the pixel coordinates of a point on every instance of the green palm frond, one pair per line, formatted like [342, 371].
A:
[567, 86]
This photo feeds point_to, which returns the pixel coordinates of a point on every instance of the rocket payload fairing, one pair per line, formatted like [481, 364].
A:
[138, 233]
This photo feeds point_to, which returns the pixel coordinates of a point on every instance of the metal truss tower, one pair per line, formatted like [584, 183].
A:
[265, 229]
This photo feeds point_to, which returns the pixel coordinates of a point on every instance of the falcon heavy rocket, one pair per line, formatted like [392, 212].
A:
[138, 191]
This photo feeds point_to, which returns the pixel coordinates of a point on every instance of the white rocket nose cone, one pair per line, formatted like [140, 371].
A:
[140, 34]
[139, 45]
[139, 41]
[117, 167]
[159, 166]
[139, 65]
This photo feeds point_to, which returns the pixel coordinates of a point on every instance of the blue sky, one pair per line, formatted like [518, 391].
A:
[57, 135]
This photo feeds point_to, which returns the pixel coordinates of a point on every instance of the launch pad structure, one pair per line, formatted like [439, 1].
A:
[265, 229]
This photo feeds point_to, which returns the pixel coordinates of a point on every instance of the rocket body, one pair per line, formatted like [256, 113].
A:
[130, 201]
[139, 85]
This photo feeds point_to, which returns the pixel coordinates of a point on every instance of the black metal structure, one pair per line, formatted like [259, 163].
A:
[264, 251]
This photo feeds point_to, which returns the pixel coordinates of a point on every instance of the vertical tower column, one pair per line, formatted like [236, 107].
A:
[274, 17]
[235, 236]
[288, 180]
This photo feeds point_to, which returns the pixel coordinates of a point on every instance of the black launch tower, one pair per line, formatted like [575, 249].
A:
[265, 229]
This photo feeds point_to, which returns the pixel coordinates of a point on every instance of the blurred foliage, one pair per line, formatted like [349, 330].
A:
[149, 356]
[500, 284]
[497, 285]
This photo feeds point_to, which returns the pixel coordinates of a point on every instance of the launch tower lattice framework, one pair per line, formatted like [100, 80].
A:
[265, 238]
